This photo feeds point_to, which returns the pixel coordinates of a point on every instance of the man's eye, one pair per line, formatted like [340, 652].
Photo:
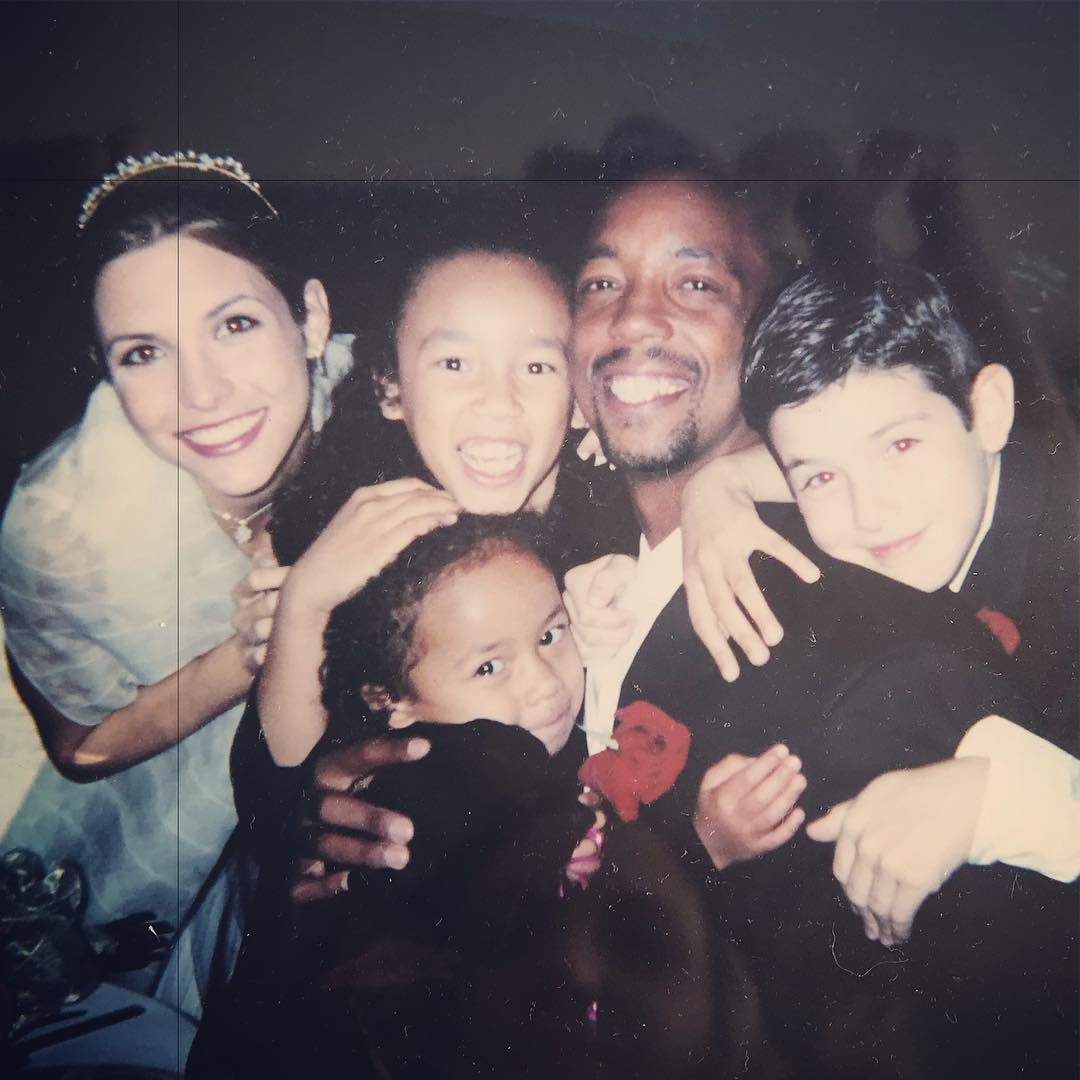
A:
[552, 634]
[698, 285]
[819, 480]
[138, 355]
[489, 667]
[450, 363]
[595, 285]
[237, 324]
[902, 446]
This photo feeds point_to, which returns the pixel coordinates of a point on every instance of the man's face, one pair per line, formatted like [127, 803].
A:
[887, 475]
[670, 279]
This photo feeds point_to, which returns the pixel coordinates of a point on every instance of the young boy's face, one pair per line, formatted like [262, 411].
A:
[483, 383]
[493, 642]
[887, 475]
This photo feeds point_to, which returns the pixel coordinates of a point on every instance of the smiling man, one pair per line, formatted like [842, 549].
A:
[669, 281]
[869, 677]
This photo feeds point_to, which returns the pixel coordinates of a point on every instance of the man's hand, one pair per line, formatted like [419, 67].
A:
[721, 530]
[900, 839]
[746, 806]
[351, 832]
[592, 597]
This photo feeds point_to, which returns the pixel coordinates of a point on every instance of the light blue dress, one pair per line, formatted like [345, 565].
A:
[113, 575]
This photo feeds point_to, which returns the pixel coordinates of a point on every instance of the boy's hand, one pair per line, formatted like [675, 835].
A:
[901, 838]
[746, 806]
[592, 597]
[351, 832]
[721, 530]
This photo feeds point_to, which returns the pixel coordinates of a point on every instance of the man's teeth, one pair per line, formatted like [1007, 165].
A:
[639, 389]
[494, 455]
[220, 434]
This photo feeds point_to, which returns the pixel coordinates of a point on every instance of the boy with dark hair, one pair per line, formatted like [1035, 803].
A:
[893, 436]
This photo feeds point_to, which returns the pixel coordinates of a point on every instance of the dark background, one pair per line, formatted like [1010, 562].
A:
[948, 130]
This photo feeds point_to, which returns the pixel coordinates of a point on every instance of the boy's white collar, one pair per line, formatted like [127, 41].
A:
[984, 526]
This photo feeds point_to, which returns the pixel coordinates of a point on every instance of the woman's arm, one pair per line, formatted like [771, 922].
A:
[159, 717]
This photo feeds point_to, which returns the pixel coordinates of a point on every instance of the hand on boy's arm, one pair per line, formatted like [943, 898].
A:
[901, 838]
[592, 596]
[746, 806]
[721, 530]
[351, 832]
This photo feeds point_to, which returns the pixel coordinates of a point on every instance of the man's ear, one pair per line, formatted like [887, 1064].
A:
[378, 699]
[993, 407]
[389, 392]
[316, 328]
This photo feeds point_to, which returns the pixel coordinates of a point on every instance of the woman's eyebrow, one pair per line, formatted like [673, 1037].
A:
[215, 311]
[131, 336]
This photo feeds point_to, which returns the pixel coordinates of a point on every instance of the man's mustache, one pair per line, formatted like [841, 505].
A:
[654, 352]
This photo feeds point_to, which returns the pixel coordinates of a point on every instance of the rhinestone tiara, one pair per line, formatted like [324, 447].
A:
[131, 167]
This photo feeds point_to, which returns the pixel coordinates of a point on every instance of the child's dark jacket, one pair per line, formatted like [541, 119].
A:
[450, 967]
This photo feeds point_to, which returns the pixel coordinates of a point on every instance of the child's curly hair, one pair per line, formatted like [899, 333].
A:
[369, 638]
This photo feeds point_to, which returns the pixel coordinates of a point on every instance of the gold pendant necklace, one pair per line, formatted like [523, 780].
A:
[241, 527]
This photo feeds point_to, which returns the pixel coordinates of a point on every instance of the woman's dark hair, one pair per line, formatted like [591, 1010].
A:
[370, 638]
[865, 317]
[223, 214]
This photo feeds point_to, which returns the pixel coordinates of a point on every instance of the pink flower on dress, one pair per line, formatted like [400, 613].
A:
[1002, 627]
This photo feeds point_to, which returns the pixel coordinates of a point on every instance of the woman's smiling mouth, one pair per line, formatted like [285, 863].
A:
[226, 437]
[884, 552]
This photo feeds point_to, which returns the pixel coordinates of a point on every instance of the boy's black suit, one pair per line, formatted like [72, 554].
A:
[870, 677]
[1027, 568]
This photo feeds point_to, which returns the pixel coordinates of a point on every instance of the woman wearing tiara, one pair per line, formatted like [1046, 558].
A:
[124, 542]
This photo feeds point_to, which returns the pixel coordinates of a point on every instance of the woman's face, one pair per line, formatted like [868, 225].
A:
[483, 383]
[208, 362]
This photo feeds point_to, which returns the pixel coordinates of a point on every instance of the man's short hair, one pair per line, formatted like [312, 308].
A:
[873, 317]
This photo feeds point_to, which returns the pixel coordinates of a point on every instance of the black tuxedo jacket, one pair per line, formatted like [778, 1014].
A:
[870, 677]
[1027, 568]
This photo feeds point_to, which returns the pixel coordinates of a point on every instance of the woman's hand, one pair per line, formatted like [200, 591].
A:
[721, 530]
[256, 599]
[373, 527]
[592, 596]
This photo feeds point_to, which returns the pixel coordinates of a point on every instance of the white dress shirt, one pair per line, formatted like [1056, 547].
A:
[658, 577]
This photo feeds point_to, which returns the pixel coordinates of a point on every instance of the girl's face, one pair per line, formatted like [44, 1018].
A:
[208, 362]
[494, 643]
[483, 382]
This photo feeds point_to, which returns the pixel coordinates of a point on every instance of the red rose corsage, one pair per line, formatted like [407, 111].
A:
[652, 751]
[1002, 627]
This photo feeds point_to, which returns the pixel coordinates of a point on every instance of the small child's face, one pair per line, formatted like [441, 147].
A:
[483, 380]
[886, 474]
[494, 643]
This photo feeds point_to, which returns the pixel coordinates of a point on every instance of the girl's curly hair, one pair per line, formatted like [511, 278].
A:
[370, 638]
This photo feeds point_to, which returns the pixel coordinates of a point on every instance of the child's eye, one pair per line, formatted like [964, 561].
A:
[819, 480]
[138, 355]
[552, 634]
[539, 367]
[450, 363]
[902, 446]
[237, 324]
[489, 667]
